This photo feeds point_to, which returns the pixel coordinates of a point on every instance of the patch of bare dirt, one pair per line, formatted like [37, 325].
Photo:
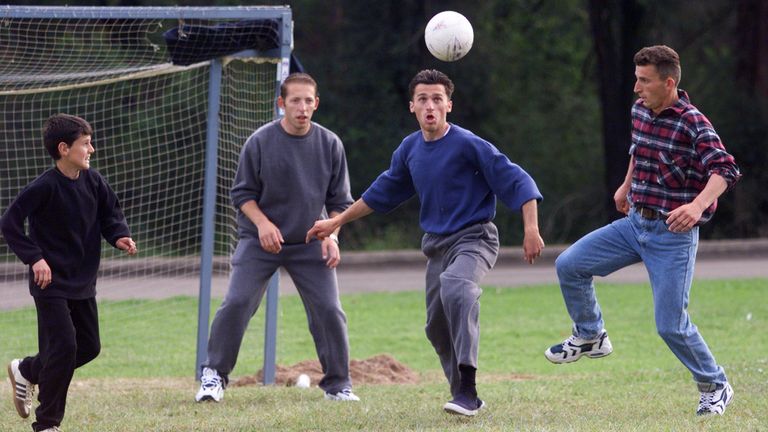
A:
[379, 369]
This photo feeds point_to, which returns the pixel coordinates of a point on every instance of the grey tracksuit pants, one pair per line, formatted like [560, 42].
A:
[316, 284]
[456, 263]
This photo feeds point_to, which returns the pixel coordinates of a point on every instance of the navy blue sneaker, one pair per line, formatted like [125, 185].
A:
[714, 398]
[464, 405]
[574, 347]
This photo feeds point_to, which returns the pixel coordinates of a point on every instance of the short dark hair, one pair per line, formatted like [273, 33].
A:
[297, 77]
[431, 76]
[665, 59]
[63, 128]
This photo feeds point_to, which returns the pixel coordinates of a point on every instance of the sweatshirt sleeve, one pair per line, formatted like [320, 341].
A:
[338, 197]
[111, 217]
[12, 224]
[393, 187]
[247, 185]
[511, 184]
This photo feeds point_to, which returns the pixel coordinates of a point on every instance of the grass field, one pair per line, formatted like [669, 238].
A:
[143, 380]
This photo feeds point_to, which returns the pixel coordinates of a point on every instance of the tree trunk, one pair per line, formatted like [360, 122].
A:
[615, 31]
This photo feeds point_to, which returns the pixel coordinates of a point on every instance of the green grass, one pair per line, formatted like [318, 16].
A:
[143, 381]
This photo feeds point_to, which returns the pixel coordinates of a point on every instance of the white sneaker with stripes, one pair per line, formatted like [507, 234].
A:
[23, 390]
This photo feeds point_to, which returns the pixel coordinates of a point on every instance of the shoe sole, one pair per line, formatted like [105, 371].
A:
[207, 398]
[455, 409]
[19, 409]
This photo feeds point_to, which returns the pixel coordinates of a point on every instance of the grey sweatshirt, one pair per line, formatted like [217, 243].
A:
[295, 180]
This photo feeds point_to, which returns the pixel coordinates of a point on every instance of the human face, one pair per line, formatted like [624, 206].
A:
[76, 157]
[655, 93]
[299, 104]
[431, 105]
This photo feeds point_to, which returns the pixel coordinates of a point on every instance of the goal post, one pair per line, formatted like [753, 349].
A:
[171, 108]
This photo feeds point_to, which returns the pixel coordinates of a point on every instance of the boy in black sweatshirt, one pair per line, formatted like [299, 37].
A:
[69, 207]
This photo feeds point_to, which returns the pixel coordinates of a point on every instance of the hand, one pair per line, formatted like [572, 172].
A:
[322, 229]
[127, 244]
[620, 198]
[270, 237]
[42, 273]
[684, 218]
[532, 246]
[331, 252]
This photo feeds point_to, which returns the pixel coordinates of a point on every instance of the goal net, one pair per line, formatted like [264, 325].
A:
[151, 123]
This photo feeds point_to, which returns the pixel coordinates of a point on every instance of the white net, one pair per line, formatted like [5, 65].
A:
[150, 124]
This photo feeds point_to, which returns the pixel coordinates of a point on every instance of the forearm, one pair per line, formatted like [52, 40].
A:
[715, 187]
[530, 217]
[356, 211]
[252, 211]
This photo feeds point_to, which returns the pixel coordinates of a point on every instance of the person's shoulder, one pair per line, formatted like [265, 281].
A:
[266, 129]
[44, 180]
[324, 132]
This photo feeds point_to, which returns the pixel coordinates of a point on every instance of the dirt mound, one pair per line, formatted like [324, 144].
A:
[379, 369]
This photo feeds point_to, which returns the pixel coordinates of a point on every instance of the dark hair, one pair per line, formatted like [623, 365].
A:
[665, 59]
[431, 76]
[63, 128]
[297, 78]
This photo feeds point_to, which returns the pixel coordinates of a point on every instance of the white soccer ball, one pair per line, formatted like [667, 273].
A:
[449, 36]
[303, 381]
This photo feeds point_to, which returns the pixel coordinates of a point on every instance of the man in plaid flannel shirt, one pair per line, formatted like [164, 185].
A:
[677, 170]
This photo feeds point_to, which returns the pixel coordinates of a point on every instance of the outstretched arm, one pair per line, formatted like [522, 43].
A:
[323, 228]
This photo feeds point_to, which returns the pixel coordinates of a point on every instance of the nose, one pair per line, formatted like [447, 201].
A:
[637, 87]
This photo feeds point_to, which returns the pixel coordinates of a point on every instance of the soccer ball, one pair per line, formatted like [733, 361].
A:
[449, 36]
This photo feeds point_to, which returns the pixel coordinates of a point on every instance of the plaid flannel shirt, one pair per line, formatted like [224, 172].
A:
[675, 154]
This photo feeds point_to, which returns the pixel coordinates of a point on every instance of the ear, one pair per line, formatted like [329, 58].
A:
[670, 83]
[410, 106]
[280, 102]
[63, 149]
[317, 101]
[449, 106]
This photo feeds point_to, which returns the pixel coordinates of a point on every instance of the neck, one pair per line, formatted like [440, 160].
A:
[437, 134]
[68, 171]
[670, 100]
[288, 128]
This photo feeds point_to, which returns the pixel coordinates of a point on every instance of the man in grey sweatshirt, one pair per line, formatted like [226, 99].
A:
[291, 172]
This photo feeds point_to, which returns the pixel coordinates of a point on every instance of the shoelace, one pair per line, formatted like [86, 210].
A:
[210, 380]
[706, 399]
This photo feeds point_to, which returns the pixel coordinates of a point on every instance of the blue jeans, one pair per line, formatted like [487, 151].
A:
[669, 259]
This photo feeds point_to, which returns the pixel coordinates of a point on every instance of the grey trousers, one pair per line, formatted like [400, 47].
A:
[456, 263]
[316, 284]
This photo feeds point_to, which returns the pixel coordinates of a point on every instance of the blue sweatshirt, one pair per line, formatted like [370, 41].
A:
[67, 219]
[456, 177]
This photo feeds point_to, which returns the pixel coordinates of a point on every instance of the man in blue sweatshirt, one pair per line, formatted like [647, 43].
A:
[457, 176]
[69, 207]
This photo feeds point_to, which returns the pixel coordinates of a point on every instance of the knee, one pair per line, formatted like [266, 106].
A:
[669, 334]
[86, 354]
[458, 289]
[564, 263]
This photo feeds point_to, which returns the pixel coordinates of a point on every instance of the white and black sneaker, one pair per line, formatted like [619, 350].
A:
[714, 398]
[211, 386]
[574, 347]
[342, 395]
[23, 390]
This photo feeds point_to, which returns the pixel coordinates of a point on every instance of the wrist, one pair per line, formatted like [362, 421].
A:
[334, 237]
